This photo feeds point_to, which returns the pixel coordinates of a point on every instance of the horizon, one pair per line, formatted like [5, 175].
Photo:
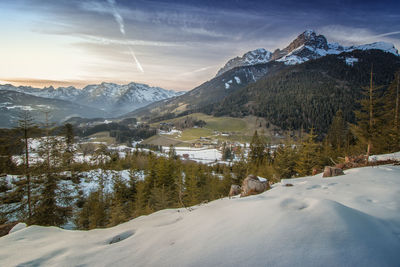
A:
[175, 45]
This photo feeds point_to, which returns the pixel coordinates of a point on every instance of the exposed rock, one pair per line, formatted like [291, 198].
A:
[235, 190]
[332, 171]
[252, 186]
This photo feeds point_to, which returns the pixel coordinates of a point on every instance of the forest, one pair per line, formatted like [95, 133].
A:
[49, 191]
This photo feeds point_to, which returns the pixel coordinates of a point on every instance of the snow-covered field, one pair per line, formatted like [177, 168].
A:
[202, 155]
[350, 220]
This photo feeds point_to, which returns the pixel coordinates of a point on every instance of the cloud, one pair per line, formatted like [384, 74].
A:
[347, 35]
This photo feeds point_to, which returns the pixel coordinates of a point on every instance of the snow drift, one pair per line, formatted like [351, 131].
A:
[350, 220]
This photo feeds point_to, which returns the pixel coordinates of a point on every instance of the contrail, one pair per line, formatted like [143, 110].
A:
[118, 18]
[387, 34]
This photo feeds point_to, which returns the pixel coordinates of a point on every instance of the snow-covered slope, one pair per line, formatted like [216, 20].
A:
[110, 97]
[350, 220]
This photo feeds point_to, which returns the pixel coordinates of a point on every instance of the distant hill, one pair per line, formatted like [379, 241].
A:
[113, 99]
[12, 103]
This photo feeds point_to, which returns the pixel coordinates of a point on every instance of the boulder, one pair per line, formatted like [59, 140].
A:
[235, 190]
[252, 186]
[332, 171]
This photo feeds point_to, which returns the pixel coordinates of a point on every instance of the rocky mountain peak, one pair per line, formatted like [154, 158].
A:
[257, 56]
[308, 38]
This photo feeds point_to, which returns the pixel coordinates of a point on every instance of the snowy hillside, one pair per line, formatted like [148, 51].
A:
[350, 220]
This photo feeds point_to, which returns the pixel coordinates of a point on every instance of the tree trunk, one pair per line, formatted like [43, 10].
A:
[28, 176]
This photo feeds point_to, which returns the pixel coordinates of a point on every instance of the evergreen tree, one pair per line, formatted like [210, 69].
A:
[391, 129]
[285, 160]
[308, 156]
[69, 142]
[25, 124]
[337, 132]
[257, 146]
[367, 129]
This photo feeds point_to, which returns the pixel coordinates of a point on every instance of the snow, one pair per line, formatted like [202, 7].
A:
[386, 47]
[17, 227]
[351, 60]
[228, 84]
[202, 155]
[171, 132]
[350, 220]
[237, 79]
[391, 156]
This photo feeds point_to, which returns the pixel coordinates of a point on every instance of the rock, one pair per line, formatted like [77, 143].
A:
[252, 186]
[235, 190]
[332, 171]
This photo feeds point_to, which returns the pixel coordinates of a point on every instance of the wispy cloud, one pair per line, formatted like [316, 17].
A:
[348, 35]
[120, 21]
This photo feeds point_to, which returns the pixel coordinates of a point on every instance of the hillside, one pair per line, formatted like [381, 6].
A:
[350, 220]
[12, 103]
[309, 94]
[302, 85]
[210, 92]
[113, 99]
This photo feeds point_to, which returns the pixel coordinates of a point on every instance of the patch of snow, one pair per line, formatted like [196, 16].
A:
[351, 60]
[391, 156]
[237, 79]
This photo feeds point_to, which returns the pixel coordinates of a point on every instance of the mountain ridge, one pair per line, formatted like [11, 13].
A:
[306, 46]
[112, 98]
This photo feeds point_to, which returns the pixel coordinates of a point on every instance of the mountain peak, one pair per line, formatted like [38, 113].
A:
[257, 56]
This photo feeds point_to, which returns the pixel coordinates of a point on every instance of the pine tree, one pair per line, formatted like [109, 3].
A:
[53, 205]
[308, 156]
[68, 156]
[367, 130]
[391, 127]
[337, 132]
[25, 124]
[285, 160]
[257, 146]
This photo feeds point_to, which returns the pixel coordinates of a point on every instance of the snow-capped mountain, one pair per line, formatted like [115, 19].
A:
[308, 45]
[254, 57]
[110, 97]
[123, 98]
[13, 102]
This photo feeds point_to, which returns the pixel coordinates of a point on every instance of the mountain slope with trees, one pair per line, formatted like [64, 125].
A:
[309, 94]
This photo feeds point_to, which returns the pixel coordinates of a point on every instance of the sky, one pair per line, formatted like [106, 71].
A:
[171, 44]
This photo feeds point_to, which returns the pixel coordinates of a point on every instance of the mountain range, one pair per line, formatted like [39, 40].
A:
[97, 100]
[301, 85]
